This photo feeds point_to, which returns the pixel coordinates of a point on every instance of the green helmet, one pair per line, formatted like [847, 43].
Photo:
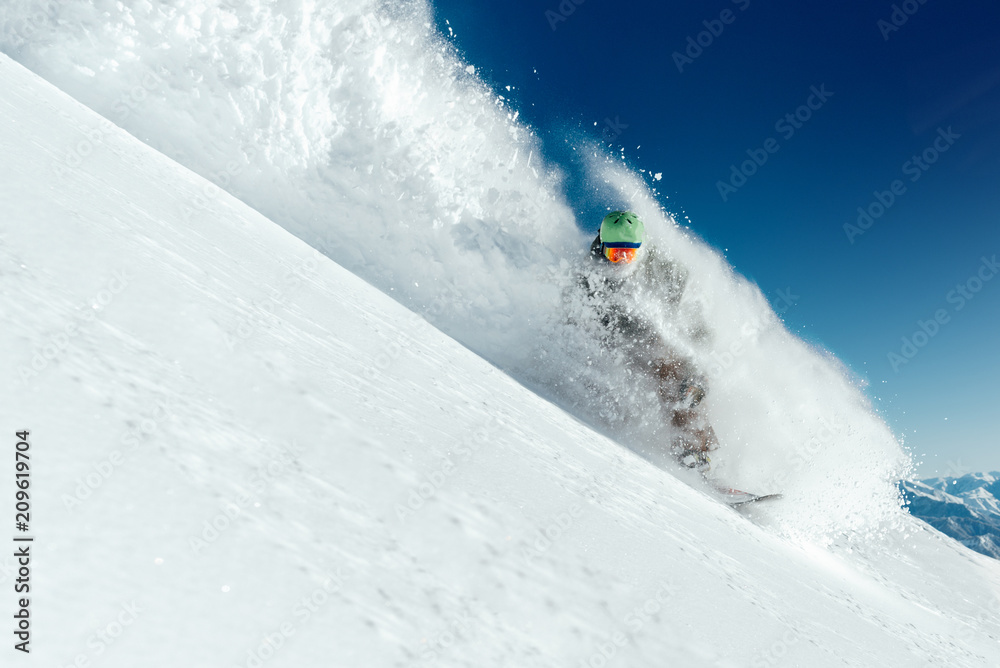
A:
[622, 229]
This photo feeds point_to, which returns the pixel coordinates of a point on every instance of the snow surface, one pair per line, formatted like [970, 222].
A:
[356, 127]
[245, 455]
[253, 456]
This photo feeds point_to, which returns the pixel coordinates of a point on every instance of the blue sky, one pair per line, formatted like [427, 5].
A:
[911, 106]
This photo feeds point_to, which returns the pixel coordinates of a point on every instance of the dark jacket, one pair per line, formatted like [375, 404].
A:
[622, 296]
[629, 300]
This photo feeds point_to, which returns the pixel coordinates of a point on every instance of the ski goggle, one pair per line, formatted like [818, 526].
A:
[616, 255]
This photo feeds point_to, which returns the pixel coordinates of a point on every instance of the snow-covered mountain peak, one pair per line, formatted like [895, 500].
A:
[966, 508]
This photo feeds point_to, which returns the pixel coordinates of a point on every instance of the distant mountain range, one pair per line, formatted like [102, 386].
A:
[966, 508]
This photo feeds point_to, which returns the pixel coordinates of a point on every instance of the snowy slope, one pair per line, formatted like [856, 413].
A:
[245, 455]
[966, 508]
[356, 127]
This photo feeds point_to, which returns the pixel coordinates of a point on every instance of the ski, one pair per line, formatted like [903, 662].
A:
[754, 498]
[735, 498]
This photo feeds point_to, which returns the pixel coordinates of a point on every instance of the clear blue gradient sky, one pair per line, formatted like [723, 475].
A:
[895, 89]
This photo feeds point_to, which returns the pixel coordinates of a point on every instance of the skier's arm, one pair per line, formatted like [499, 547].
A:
[666, 276]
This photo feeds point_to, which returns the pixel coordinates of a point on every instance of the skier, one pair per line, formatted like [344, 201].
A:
[623, 268]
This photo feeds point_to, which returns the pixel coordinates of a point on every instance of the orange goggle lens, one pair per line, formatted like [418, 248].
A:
[616, 255]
